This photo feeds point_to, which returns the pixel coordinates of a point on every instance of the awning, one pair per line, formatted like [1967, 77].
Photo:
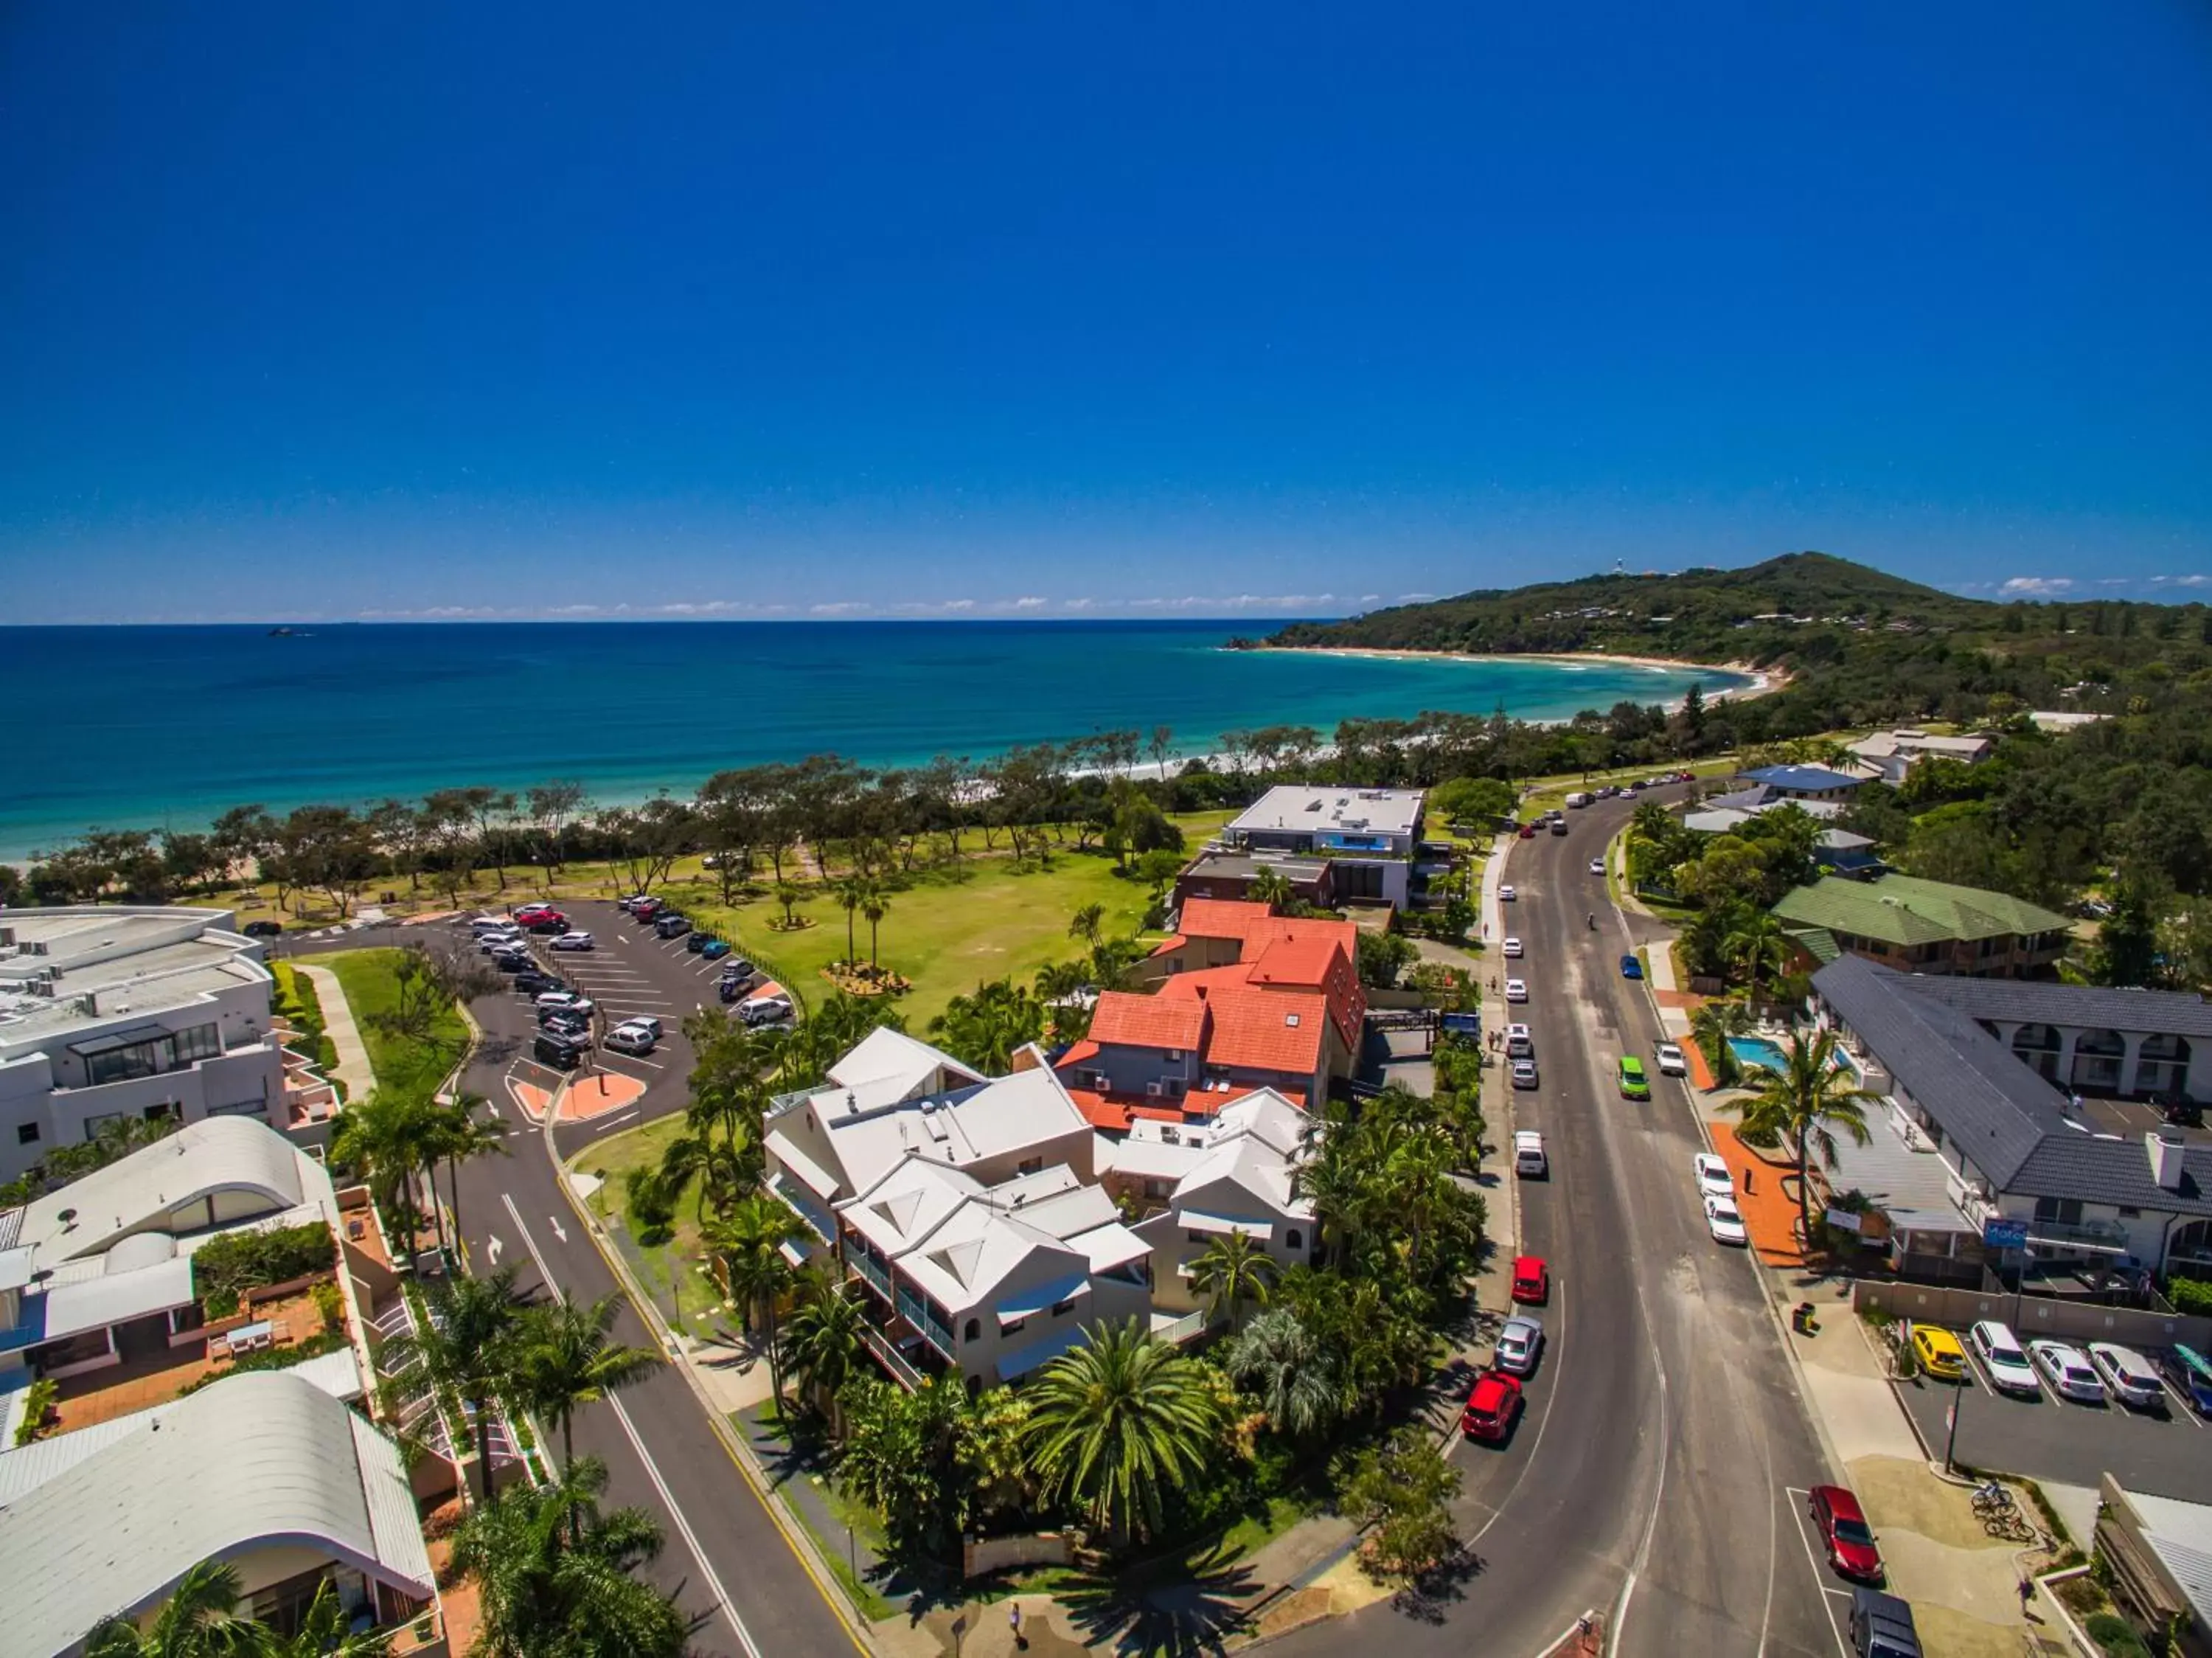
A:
[1023, 1360]
[796, 1251]
[1038, 1298]
[816, 1178]
[100, 1304]
[1194, 1220]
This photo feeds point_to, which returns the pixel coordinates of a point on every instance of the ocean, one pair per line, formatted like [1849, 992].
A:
[166, 727]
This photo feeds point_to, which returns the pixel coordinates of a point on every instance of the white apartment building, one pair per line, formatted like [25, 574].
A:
[108, 1012]
[1367, 835]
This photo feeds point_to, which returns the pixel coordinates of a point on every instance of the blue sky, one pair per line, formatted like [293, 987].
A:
[327, 311]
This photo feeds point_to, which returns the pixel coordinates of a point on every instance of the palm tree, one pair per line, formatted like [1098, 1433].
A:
[1331, 1180]
[1232, 1271]
[788, 893]
[467, 1344]
[852, 893]
[197, 1623]
[1711, 1024]
[554, 1574]
[322, 1633]
[563, 1360]
[1805, 1101]
[874, 908]
[749, 1240]
[1087, 924]
[1272, 888]
[390, 1138]
[459, 1135]
[1294, 1378]
[825, 1343]
[1758, 943]
[1117, 1423]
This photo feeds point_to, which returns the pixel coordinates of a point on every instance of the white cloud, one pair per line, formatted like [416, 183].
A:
[2196, 579]
[2036, 587]
[1076, 604]
[1415, 598]
[1030, 601]
[842, 607]
[1370, 598]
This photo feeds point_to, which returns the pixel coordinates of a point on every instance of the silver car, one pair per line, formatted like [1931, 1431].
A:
[1520, 1344]
[2067, 1371]
[2129, 1375]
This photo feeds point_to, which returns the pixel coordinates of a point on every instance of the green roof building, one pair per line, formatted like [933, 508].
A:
[1924, 927]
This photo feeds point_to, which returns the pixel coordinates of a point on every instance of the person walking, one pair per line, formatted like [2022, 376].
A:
[1014, 1623]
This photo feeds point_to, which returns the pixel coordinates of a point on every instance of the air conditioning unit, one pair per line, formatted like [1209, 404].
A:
[1154, 1090]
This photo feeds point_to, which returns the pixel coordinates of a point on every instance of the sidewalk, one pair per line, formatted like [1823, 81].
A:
[353, 1068]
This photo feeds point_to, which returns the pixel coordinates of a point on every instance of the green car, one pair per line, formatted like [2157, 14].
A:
[1634, 1084]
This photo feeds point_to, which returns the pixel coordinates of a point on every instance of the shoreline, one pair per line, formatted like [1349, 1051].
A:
[1763, 681]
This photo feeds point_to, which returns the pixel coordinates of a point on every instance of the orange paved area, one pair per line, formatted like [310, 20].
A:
[594, 1096]
[534, 1099]
[1770, 1208]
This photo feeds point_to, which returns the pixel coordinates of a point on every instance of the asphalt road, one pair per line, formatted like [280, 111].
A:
[725, 1558]
[1655, 1474]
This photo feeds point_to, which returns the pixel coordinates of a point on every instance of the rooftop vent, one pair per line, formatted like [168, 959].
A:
[2165, 1159]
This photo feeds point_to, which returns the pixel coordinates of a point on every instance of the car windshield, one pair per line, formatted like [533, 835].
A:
[1853, 1531]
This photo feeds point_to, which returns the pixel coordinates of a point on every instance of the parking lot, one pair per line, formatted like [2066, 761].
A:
[2168, 1455]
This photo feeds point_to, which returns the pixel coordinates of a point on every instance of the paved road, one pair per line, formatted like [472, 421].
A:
[725, 1558]
[1650, 1477]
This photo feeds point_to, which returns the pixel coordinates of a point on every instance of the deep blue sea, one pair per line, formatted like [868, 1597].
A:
[155, 727]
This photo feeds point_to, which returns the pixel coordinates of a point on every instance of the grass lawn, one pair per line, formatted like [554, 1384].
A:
[667, 1269]
[296, 1001]
[401, 1066]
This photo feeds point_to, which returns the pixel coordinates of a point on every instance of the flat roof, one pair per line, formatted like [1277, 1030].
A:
[63, 971]
[1307, 809]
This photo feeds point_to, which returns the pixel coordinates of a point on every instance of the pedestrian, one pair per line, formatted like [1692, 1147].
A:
[1014, 1623]
[1747, 1181]
[2027, 1599]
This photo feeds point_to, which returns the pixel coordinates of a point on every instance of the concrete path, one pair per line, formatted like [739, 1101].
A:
[353, 1068]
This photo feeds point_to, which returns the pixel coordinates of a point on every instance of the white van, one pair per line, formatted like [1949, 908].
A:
[1528, 1160]
[1578, 799]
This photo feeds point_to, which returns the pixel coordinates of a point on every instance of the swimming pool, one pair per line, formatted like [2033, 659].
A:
[1765, 1053]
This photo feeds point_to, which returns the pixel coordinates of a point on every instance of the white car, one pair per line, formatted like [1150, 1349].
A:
[492, 939]
[1714, 1180]
[1516, 989]
[1597, 866]
[1528, 1160]
[1519, 1044]
[643, 1022]
[765, 1010]
[2067, 1371]
[1671, 1062]
[2003, 1359]
[1512, 949]
[1724, 1221]
[629, 1039]
[2128, 1374]
[1506, 895]
[573, 942]
[1520, 1344]
[566, 1002]
[1524, 1073]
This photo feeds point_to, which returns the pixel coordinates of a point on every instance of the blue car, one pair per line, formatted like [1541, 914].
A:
[715, 949]
[1631, 967]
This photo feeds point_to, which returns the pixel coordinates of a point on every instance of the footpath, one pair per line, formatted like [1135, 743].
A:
[353, 1068]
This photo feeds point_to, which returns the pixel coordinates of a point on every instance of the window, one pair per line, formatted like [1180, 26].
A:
[1061, 1309]
[1029, 1165]
[2060, 1211]
[974, 1332]
[1198, 1238]
[152, 1055]
[1291, 1238]
[26, 1134]
[2129, 1212]
[1013, 1327]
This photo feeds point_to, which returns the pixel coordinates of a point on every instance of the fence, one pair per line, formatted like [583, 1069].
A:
[2034, 1316]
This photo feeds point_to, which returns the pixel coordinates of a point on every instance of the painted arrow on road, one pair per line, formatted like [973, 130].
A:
[492, 1246]
[557, 1232]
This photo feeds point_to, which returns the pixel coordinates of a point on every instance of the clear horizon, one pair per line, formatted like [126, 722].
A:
[492, 315]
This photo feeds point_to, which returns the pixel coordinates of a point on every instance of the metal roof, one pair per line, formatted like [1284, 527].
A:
[218, 1154]
[1802, 777]
[1905, 910]
[2180, 1534]
[1312, 809]
[259, 1459]
[2032, 1001]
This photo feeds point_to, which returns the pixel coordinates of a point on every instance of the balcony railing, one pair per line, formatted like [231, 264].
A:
[802, 1203]
[873, 1273]
[886, 1351]
[914, 1309]
[2098, 1235]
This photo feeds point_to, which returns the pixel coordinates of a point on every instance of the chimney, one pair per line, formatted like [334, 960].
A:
[2165, 1159]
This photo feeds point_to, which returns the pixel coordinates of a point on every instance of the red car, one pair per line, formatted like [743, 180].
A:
[1531, 1280]
[1528, 831]
[523, 913]
[1844, 1529]
[1491, 1407]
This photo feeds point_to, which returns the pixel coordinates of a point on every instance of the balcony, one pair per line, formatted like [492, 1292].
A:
[873, 1272]
[915, 1310]
[2081, 1234]
[887, 1353]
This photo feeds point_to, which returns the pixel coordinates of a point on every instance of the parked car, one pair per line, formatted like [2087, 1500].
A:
[1558, 826]
[1492, 1405]
[1714, 1180]
[487, 942]
[1524, 1074]
[532, 982]
[1881, 1626]
[715, 948]
[1519, 1044]
[1528, 831]
[1597, 866]
[546, 921]
[647, 908]
[2068, 1371]
[1516, 989]
[557, 1051]
[2129, 1375]
[627, 1038]
[526, 913]
[1634, 1084]
[628, 904]
[731, 989]
[1520, 1344]
[1672, 1060]
[574, 942]
[1507, 895]
[738, 967]
[1844, 1531]
[1939, 1352]
[1530, 1161]
[566, 1002]
[571, 1026]
[2004, 1361]
[2190, 1373]
[1725, 1221]
[670, 926]
[1531, 1280]
[1631, 967]
[263, 928]
[766, 1011]
[1512, 949]
[695, 942]
[513, 961]
[644, 1021]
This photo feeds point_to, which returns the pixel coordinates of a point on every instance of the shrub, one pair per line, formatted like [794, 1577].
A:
[225, 1268]
[330, 1304]
[652, 1206]
[2114, 1634]
[37, 1400]
[2190, 1295]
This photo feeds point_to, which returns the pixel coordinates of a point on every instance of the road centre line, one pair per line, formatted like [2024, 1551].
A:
[723, 1602]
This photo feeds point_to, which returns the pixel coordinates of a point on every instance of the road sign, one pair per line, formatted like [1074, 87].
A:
[2004, 1234]
[1464, 1024]
[1842, 1220]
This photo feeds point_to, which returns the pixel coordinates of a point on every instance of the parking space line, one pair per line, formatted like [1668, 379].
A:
[2180, 1407]
[1799, 1513]
[1974, 1369]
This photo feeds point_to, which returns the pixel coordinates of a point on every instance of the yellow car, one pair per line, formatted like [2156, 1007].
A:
[1939, 1352]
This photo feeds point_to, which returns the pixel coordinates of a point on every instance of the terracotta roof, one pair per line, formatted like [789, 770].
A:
[1116, 1112]
[1268, 1030]
[1201, 981]
[1299, 929]
[1221, 918]
[1303, 962]
[1129, 1020]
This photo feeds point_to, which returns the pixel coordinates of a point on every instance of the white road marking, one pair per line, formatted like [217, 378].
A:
[492, 1246]
[557, 1232]
[1550, 1359]
[1799, 1511]
[723, 1602]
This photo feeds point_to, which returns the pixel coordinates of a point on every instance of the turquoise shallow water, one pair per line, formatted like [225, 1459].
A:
[143, 726]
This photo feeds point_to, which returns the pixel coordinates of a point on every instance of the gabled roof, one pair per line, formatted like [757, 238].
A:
[2093, 1007]
[1906, 909]
[988, 1119]
[260, 1458]
[1126, 1018]
[1268, 1030]
[1303, 963]
[1219, 917]
[886, 1057]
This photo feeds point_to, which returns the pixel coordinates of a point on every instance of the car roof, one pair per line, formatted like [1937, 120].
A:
[1630, 1062]
[1528, 1263]
[1840, 1502]
[1937, 1336]
[1527, 1136]
[1493, 1383]
[2113, 1350]
[1711, 1160]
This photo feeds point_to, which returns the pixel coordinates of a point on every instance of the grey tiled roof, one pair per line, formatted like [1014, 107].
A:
[2100, 1169]
[2030, 1002]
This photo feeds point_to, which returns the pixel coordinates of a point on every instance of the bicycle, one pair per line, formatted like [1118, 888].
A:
[2011, 1526]
[1992, 1497]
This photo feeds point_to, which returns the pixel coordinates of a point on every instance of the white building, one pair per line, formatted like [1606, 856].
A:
[1367, 835]
[109, 1013]
[265, 1471]
[1889, 755]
